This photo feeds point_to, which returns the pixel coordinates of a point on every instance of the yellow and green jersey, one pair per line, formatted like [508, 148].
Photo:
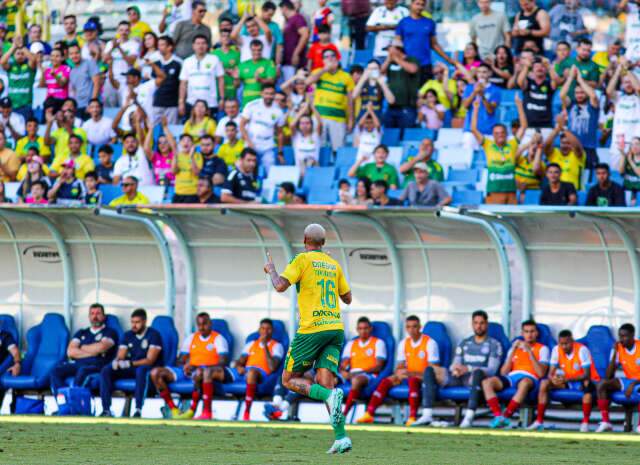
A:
[501, 165]
[331, 95]
[320, 282]
[525, 174]
[571, 165]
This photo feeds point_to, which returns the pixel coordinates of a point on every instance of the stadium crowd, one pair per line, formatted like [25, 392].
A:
[97, 357]
[222, 116]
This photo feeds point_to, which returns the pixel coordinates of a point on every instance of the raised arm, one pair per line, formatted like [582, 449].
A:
[474, 123]
[279, 283]
[564, 91]
[522, 117]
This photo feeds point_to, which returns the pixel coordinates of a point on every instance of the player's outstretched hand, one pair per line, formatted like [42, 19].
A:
[269, 266]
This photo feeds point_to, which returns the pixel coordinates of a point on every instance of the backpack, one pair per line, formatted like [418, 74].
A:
[74, 401]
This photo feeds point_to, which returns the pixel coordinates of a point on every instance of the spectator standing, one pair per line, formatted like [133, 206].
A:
[201, 78]
[501, 161]
[530, 26]
[423, 192]
[296, 37]
[173, 13]
[70, 26]
[383, 22]
[138, 28]
[333, 99]
[372, 88]
[530, 167]
[132, 162]
[131, 195]
[369, 134]
[267, 12]
[21, 67]
[445, 88]
[98, 127]
[254, 73]
[605, 193]
[489, 29]
[606, 59]
[584, 114]
[418, 34]
[567, 23]
[379, 194]
[67, 190]
[186, 167]
[589, 71]
[12, 122]
[501, 63]
[424, 155]
[537, 90]
[165, 98]
[161, 159]
[557, 192]
[323, 16]
[378, 169]
[9, 161]
[186, 31]
[632, 33]
[56, 80]
[630, 168]
[84, 80]
[261, 124]
[357, 12]
[316, 50]
[241, 185]
[121, 55]
[489, 96]
[231, 114]
[570, 156]
[626, 119]
[306, 133]
[403, 76]
[256, 30]
[229, 56]
[93, 46]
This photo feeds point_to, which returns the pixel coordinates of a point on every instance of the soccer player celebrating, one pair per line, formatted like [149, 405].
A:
[571, 368]
[625, 354]
[526, 363]
[258, 360]
[203, 358]
[138, 351]
[477, 357]
[362, 359]
[318, 278]
[416, 353]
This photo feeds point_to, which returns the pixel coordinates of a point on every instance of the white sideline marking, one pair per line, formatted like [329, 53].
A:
[624, 437]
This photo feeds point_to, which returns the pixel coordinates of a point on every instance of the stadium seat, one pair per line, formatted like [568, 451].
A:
[346, 156]
[117, 151]
[323, 196]
[325, 155]
[288, 155]
[582, 197]
[455, 157]
[449, 137]
[604, 156]
[463, 176]
[46, 347]
[362, 57]
[154, 193]
[532, 197]
[383, 331]
[466, 197]
[280, 174]
[11, 190]
[110, 112]
[391, 136]
[418, 134]
[109, 192]
[8, 324]
[496, 331]
[265, 388]
[318, 178]
[410, 148]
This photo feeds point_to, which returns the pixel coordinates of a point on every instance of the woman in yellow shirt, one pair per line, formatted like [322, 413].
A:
[186, 167]
[200, 123]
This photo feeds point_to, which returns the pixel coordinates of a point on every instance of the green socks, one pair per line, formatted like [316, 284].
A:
[318, 392]
[339, 431]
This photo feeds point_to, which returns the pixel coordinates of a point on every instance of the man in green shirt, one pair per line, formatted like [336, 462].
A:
[589, 70]
[21, 66]
[229, 56]
[378, 170]
[425, 155]
[255, 73]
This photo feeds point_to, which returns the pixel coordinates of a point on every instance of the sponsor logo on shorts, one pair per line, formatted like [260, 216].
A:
[326, 313]
[306, 363]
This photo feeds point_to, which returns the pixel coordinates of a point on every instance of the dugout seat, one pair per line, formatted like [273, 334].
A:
[265, 388]
[383, 331]
[599, 341]
[46, 347]
[185, 387]
[438, 332]
[8, 324]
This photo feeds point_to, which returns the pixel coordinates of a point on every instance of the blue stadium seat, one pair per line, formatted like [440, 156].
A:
[508, 95]
[324, 158]
[545, 336]
[109, 192]
[8, 324]
[46, 347]
[466, 197]
[266, 386]
[391, 137]
[323, 196]
[288, 155]
[346, 156]
[532, 197]
[117, 151]
[317, 178]
[599, 341]
[114, 323]
[410, 148]
[362, 57]
[496, 331]
[582, 197]
[418, 134]
[383, 331]
[463, 176]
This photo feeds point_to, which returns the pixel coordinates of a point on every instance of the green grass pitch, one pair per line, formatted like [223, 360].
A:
[46, 440]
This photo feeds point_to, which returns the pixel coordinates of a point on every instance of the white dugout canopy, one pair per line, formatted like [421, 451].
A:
[570, 267]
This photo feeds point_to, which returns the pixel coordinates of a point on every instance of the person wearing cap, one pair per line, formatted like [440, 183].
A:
[70, 25]
[423, 192]
[67, 190]
[140, 92]
[403, 78]
[9, 161]
[131, 195]
[120, 54]
[83, 163]
[32, 139]
[12, 122]
[21, 67]
[138, 28]
[187, 30]
[84, 79]
[425, 155]
[93, 46]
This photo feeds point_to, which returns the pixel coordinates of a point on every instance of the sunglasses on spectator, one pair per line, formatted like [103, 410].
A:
[127, 184]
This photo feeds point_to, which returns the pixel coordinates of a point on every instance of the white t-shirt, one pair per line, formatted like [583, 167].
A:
[632, 35]
[130, 47]
[137, 166]
[262, 123]
[626, 122]
[99, 132]
[201, 76]
[245, 48]
[17, 123]
[177, 14]
[382, 16]
[306, 147]
[379, 351]
[583, 358]
[219, 343]
[145, 69]
[433, 352]
[368, 141]
[221, 128]
[276, 352]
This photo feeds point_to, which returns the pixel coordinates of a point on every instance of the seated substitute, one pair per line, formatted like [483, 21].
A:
[571, 368]
[362, 359]
[203, 358]
[258, 360]
[626, 355]
[138, 351]
[476, 358]
[415, 354]
[89, 351]
[9, 348]
[526, 363]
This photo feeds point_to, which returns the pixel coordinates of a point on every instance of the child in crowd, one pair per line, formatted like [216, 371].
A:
[430, 112]
[37, 194]
[104, 170]
[92, 195]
